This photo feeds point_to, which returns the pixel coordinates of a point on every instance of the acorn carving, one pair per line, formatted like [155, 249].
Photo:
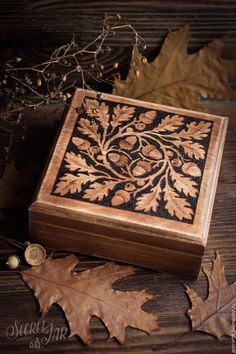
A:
[191, 168]
[176, 162]
[141, 168]
[152, 151]
[120, 197]
[118, 159]
[147, 117]
[128, 143]
[81, 143]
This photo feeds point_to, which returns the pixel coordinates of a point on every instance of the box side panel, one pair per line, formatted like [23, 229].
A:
[117, 248]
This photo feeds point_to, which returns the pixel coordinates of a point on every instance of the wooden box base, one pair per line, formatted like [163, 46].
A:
[131, 181]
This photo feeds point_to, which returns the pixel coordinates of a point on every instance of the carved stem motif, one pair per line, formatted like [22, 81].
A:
[134, 158]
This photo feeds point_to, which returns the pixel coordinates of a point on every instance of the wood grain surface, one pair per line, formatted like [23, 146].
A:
[31, 29]
[18, 304]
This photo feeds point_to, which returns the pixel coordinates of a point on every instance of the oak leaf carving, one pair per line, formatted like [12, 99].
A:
[175, 205]
[191, 149]
[195, 130]
[121, 114]
[98, 191]
[88, 128]
[98, 110]
[214, 314]
[149, 201]
[70, 183]
[77, 162]
[170, 123]
[89, 293]
[177, 78]
[184, 184]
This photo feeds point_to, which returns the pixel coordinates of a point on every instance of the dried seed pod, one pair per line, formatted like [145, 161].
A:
[141, 168]
[38, 82]
[81, 144]
[13, 262]
[128, 143]
[120, 197]
[35, 254]
[118, 159]
[152, 151]
[176, 162]
[130, 187]
[147, 117]
[192, 169]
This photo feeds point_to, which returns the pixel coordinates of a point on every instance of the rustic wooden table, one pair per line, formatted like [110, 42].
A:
[30, 28]
[19, 309]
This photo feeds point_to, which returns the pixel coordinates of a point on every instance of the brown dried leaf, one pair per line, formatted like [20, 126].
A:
[121, 114]
[88, 128]
[177, 78]
[71, 183]
[175, 205]
[192, 149]
[149, 201]
[195, 131]
[77, 162]
[213, 315]
[169, 123]
[184, 184]
[97, 191]
[89, 293]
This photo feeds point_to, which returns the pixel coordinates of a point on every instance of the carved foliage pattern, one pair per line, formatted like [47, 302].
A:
[133, 158]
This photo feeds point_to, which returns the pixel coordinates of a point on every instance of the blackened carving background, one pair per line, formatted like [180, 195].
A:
[88, 113]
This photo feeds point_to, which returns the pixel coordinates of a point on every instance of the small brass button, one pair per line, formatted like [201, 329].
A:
[35, 254]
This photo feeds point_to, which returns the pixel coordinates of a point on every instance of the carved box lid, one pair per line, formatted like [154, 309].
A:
[140, 172]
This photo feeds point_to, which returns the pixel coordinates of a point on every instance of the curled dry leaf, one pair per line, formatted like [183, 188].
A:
[192, 169]
[177, 78]
[213, 315]
[120, 197]
[89, 293]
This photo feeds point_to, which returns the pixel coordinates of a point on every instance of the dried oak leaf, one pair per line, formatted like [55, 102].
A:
[177, 78]
[213, 315]
[13, 181]
[89, 293]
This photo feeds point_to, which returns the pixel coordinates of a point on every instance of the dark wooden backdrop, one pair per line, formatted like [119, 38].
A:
[30, 29]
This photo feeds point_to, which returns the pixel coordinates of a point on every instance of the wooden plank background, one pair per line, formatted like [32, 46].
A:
[31, 29]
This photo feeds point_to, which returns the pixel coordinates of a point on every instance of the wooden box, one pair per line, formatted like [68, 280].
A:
[131, 181]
